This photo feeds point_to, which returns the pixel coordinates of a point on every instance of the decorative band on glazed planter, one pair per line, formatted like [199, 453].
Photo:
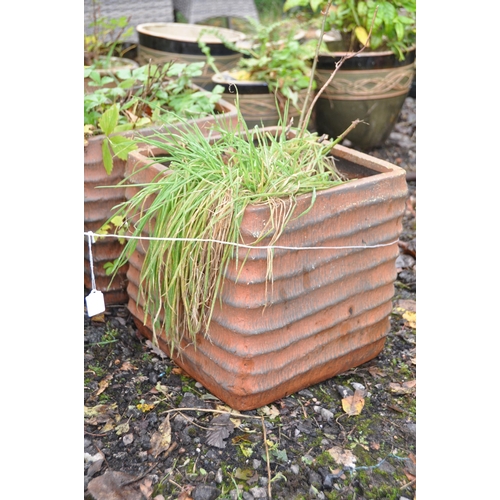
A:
[165, 42]
[101, 195]
[371, 86]
[258, 106]
[327, 310]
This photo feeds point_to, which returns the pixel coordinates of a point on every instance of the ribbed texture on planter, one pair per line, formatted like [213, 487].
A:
[327, 310]
[99, 201]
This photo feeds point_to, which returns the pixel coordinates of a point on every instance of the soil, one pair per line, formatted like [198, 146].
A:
[350, 437]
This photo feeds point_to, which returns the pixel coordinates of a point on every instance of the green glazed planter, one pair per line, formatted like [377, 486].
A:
[371, 86]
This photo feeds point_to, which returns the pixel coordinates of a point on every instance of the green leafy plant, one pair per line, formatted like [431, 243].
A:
[392, 22]
[106, 40]
[143, 97]
[272, 54]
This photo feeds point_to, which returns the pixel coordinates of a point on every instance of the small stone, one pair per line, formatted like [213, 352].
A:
[314, 478]
[344, 391]
[295, 468]
[306, 393]
[191, 401]
[235, 494]
[205, 492]
[128, 439]
[326, 415]
[218, 476]
[358, 387]
[258, 492]
[387, 467]
[178, 423]
[412, 428]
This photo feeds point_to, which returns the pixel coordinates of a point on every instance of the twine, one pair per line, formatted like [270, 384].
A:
[239, 245]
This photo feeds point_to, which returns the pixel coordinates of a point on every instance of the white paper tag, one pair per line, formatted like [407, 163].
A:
[95, 303]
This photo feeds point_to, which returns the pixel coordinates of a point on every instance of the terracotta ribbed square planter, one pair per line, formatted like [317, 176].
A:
[99, 202]
[327, 311]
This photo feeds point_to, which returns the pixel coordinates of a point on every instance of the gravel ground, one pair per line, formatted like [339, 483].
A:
[152, 432]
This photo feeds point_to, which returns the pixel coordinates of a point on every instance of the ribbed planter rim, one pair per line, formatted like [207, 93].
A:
[246, 86]
[366, 60]
[225, 109]
[182, 38]
[125, 63]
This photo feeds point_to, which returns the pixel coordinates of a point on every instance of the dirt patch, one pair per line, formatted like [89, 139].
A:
[152, 432]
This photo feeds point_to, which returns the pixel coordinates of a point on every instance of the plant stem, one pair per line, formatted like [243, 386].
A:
[302, 122]
[338, 64]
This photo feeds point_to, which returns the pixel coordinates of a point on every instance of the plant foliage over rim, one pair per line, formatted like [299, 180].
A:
[273, 55]
[202, 195]
[148, 96]
[392, 22]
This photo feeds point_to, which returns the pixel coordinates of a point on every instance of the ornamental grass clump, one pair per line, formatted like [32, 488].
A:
[194, 211]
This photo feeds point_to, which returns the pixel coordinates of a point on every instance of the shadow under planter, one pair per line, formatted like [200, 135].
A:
[101, 195]
[326, 311]
[371, 86]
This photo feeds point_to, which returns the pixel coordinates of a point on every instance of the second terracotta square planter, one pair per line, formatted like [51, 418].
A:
[101, 195]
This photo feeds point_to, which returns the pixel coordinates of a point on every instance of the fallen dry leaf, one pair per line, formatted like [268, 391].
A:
[186, 492]
[220, 429]
[343, 457]
[376, 372]
[407, 305]
[160, 440]
[98, 414]
[244, 474]
[146, 487]
[269, 411]
[410, 319]
[156, 349]
[98, 318]
[353, 405]
[127, 366]
[177, 370]
[114, 485]
[144, 407]
[122, 428]
[404, 388]
[103, 384]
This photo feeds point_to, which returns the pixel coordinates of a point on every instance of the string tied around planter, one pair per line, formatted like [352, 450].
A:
[242, 245]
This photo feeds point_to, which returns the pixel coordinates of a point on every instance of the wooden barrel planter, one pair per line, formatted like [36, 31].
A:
[165, 42]
[328, 310]
[371, 86]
